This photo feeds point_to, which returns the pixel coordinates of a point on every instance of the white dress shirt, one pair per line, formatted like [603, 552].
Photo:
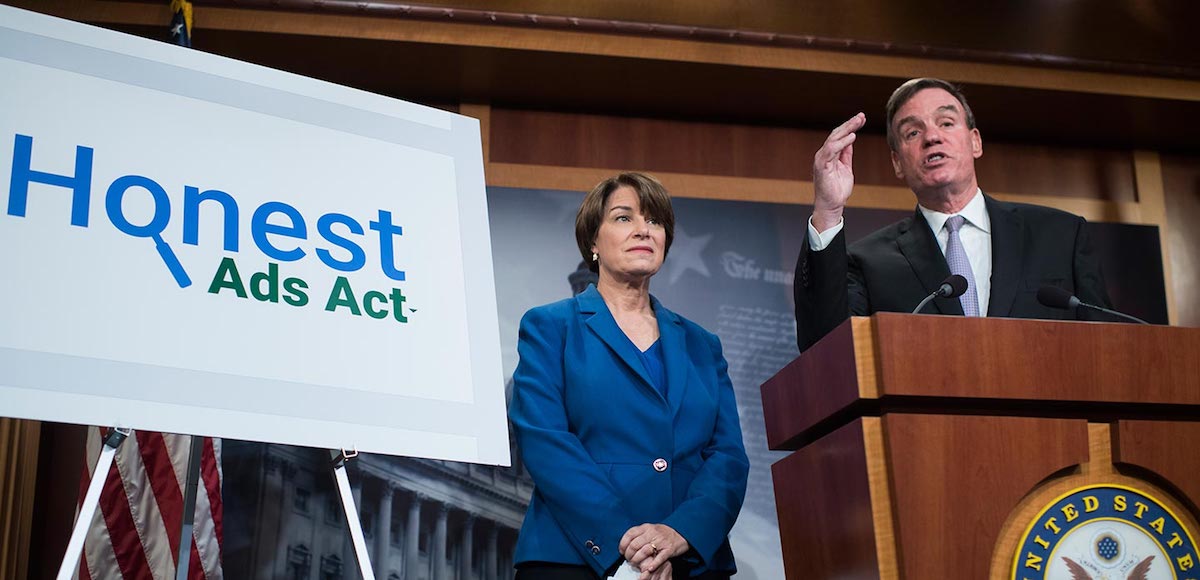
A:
[976, 235]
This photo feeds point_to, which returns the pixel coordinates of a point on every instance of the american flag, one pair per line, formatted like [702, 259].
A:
[181, 22]
[135, 532]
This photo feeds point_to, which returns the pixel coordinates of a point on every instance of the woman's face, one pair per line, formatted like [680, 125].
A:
[630, 245]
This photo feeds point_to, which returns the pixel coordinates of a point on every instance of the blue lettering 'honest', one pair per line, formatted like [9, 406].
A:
[277, 228]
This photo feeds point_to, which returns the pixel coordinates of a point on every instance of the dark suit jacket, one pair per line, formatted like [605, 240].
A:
[894, 268]
[592, 427]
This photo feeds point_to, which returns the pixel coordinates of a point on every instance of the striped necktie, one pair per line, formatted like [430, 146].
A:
[956, 257]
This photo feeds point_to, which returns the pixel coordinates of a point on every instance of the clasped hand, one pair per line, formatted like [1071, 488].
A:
[649, 547]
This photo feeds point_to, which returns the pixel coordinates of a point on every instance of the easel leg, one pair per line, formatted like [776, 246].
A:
[189, 508]
[356, 534]
[91, 501]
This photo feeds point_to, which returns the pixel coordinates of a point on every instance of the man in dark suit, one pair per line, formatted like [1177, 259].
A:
[1006, 251]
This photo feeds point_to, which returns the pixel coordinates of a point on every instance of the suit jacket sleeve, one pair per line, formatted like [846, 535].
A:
[1088, 278]
[579, 494]
[715, 496]
[828, 288]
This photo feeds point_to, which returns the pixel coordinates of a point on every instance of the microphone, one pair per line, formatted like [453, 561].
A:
[1056, 297]
[952, 287]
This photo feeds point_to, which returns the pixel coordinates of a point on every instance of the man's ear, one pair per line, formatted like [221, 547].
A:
[976, 143]
[896, 166]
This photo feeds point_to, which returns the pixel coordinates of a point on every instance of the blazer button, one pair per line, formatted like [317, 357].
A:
[660, 465]
[595, 550]
[589, 544]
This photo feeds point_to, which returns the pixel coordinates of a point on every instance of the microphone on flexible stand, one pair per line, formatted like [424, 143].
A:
[1056, 297]
[952, 287]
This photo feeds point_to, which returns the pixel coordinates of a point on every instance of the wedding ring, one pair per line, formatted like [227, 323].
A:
[653, 549]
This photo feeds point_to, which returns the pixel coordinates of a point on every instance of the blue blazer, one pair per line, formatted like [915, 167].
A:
[608, 452]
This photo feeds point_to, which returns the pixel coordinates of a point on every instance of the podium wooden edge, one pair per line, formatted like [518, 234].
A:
[879, 483]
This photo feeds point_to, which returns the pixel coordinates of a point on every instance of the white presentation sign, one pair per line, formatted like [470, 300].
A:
[198, 245]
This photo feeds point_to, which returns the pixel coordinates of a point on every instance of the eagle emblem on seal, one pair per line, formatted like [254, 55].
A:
[1138, 572]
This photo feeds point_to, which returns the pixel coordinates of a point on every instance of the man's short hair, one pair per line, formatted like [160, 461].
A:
[905, 92]
[653, 198]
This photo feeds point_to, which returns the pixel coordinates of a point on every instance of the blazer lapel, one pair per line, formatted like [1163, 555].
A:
[675, 354]
[601, 321]
[920, 248]
[1007, 248]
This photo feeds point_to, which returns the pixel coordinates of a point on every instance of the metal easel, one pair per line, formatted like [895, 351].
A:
[91, 502]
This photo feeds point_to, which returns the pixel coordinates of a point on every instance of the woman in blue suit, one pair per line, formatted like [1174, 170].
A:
[624, 413]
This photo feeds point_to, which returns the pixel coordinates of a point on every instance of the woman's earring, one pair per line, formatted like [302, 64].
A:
[595, 257]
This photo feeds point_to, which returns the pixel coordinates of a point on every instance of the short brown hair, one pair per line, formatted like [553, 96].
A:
[653, 198]
[905, 92]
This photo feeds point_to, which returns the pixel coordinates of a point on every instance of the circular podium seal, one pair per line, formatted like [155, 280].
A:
[1106, 532]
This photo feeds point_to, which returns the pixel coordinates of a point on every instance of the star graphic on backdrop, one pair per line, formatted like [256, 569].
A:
[685, 255]
[177, 30]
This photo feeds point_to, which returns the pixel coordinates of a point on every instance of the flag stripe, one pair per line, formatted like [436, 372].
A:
[210, 468]
[195, 567]
[162, 479]
[206, 532]
[144, 507]
[125, 541]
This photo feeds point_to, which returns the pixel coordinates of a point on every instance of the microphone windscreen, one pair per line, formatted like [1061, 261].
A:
[958, 285]
[1054, 297]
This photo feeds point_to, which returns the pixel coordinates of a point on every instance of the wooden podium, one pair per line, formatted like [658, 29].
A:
[924, 445]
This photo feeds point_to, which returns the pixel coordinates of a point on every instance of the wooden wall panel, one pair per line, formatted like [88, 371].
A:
[581, 140]
[732, 150]
[60, 466]
[955, 479]
[18, 477]
[1150, 32]
[1056, 171]
[1181, 186]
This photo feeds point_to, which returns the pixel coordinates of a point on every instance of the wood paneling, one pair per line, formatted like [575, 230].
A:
[733, 150]
[955, 480]
[1149, 32]
[1181, 189]
[777, 190]
[578, 140]
[18, 477]
[823, 498]
[1039, 360]
[1148, 179]
[60, 465]
[636, 75]
[1155, 446]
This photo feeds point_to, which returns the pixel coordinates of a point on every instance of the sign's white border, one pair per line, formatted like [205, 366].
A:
[48, 385]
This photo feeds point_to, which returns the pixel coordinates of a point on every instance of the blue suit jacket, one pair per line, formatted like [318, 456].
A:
[590, 426]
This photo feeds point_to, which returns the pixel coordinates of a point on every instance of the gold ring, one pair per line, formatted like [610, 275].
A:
[653, 549]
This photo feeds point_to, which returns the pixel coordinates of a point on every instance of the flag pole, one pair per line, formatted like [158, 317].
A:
[189, 508]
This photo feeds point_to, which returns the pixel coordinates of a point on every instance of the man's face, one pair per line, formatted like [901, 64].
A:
[935, 150]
